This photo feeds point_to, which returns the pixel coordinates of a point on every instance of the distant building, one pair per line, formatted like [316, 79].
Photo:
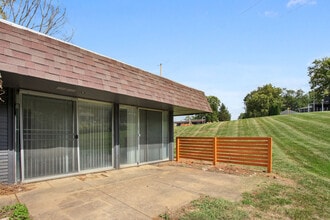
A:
[288, 112]
[324, 105]
[189, 122]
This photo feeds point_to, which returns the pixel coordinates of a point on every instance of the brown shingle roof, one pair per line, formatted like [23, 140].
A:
[27, 53]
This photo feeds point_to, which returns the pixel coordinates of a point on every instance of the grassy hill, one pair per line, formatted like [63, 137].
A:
[301, 152]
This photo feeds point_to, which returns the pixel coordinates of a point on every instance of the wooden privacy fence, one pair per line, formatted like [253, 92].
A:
[255, 151]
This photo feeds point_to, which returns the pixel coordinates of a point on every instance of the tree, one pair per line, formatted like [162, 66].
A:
[319, 73]
[40, 15]
[214, 115]
[2, 13]
[264, 101]
[224, 114]
[294, 99]
[214, 104]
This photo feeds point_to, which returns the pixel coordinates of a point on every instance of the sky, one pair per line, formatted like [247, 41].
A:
[226, 48]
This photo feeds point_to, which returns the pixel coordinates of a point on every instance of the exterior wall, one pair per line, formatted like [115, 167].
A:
[4, 140]
[49, 144]
[7, 154]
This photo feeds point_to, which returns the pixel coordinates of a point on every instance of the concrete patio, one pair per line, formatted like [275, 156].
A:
[134, 193]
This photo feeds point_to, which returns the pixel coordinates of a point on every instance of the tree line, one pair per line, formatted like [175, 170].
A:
[270, 100]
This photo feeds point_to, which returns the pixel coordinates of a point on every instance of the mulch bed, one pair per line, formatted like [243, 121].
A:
[219, 167]
[232, 169]
[11, 189]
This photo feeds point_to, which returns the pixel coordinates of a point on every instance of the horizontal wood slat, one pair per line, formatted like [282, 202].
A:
[252, 149]
[242, 144]
[241, 138]
[243, 159]
[243, 163]
[195, 146]
[255, 151]
[260, 157]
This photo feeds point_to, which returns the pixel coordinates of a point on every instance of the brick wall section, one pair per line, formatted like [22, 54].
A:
[28, 53]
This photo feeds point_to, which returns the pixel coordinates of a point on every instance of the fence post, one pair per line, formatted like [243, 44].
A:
[177, 149]
[269, 167]
[215, 150]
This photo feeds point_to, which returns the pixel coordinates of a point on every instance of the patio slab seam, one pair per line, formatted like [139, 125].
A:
[99, 188]
[181, 188]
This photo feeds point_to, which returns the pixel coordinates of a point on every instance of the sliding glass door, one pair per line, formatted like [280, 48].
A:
[143, 135]
[49, 146]
[61, 135]
[152, 146]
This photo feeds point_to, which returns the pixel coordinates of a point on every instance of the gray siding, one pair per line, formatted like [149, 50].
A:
[4, 140]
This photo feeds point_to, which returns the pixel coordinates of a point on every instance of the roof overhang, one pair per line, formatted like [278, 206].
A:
[33, 61]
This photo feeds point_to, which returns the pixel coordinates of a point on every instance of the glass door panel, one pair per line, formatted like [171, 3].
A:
[48, 137]
[143, 137]
[150, 135]
[95, 135]
[154, 132]
[128, 135]
[165, 148]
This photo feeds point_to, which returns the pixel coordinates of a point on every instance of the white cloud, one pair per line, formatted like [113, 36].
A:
[270, 14]
[293, 3]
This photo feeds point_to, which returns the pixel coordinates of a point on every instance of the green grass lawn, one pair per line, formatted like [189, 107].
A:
[301, 152]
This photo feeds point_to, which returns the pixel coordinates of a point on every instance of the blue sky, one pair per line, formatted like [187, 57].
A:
[226, 48]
